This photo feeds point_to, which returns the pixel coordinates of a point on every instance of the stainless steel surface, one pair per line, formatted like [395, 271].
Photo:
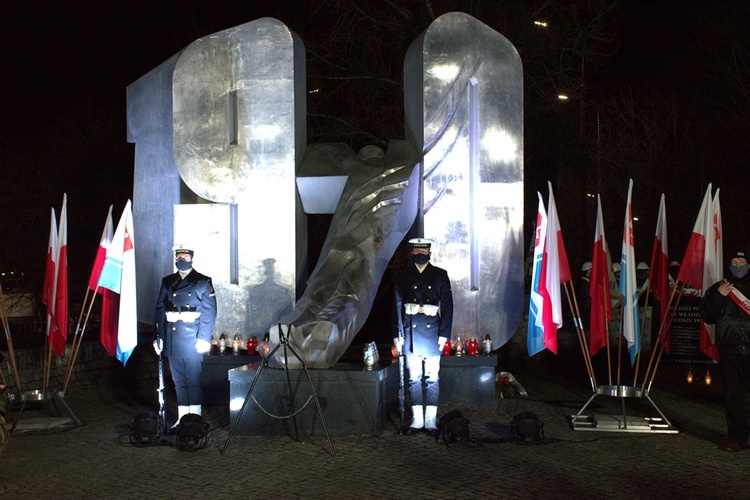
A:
[463, 94]
[620, 391]
[375, 212]
[219, 130]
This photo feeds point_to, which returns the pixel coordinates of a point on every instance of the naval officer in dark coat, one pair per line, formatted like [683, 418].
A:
[185, 318]
[423, 318]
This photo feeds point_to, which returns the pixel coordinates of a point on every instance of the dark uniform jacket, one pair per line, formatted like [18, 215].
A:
[732, 324]
[195, 293]
[430, 287]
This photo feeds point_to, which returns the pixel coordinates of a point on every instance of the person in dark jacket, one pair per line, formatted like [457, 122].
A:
[422, 320]
[727, 305]
[185, 318]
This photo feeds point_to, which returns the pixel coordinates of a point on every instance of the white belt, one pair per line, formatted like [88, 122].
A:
[427, 309]
[186, 316]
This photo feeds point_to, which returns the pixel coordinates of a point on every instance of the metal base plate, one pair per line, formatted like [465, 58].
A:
[616, 423]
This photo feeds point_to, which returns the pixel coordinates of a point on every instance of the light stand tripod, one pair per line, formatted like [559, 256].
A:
[287, 348]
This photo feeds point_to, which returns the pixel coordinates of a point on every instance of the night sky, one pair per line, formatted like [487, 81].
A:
[65, 64]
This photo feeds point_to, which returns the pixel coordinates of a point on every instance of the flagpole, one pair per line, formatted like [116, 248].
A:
[73, 349]
[9, 341]
[649, 376]
[579, 330]
[619, 340]
[643, 325]
[606, 338]
[78, 339]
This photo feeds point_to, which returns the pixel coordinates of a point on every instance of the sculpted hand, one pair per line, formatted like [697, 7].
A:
[157, 346]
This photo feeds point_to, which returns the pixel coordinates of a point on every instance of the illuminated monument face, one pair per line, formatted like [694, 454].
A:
[219, 133]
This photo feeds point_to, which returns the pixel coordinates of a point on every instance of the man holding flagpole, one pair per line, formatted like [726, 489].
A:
[727, 304]
[185, 319]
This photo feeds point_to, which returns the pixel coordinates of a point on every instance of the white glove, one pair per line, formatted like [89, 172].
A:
[157, 346]
[441, 342]
[202, 346]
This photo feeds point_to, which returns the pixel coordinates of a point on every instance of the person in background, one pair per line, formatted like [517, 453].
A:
[582, 293]
[726, 304]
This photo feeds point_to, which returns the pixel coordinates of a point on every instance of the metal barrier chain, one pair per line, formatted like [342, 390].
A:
[278, 417]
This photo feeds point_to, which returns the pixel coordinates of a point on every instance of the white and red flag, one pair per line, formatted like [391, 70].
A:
[555, 271]
[601, 303]
[118, 275]
[110, 300]
[50, 276]
[631, 325]
[658, 275]
[535, 332]
[700, 255]
[718, 268]
[691, 268]
[59, 335]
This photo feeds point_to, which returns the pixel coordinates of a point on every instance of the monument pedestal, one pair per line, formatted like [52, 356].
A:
[215, 379]
[469, 380]
[354, 400]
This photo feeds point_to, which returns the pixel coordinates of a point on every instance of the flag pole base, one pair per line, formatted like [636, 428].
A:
[623, 422]
[38, 397]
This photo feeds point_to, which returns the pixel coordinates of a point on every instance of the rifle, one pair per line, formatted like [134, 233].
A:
[160, 390]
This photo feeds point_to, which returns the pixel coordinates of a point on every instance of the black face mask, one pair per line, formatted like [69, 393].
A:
[421, 258]
[183, 265]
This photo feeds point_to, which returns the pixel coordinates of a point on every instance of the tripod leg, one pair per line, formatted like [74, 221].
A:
[317, 402]
[291, 395]
[247, 398]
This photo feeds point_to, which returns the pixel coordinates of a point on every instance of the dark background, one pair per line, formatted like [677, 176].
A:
[659, 92]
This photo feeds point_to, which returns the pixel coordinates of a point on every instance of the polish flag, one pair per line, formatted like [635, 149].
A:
[555, 271]
[50, 276]
[601, 303]
[691, 269]
[700, 255]
[658, 274]
[59, 335]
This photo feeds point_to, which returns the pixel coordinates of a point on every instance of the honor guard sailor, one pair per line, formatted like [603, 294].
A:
[422, 322]
[185, 318]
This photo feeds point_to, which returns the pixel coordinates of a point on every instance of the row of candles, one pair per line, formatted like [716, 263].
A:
[470, 347]
[236, 345]
[706, 378]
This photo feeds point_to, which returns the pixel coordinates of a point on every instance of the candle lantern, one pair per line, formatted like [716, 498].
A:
[690, 376]
[370, 355]
[487, 345]
[236, 344]
[472, 346]
[252, 344]
[222, 343]
[447, 348]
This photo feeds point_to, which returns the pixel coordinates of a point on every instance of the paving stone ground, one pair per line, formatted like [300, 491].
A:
[96, 459]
